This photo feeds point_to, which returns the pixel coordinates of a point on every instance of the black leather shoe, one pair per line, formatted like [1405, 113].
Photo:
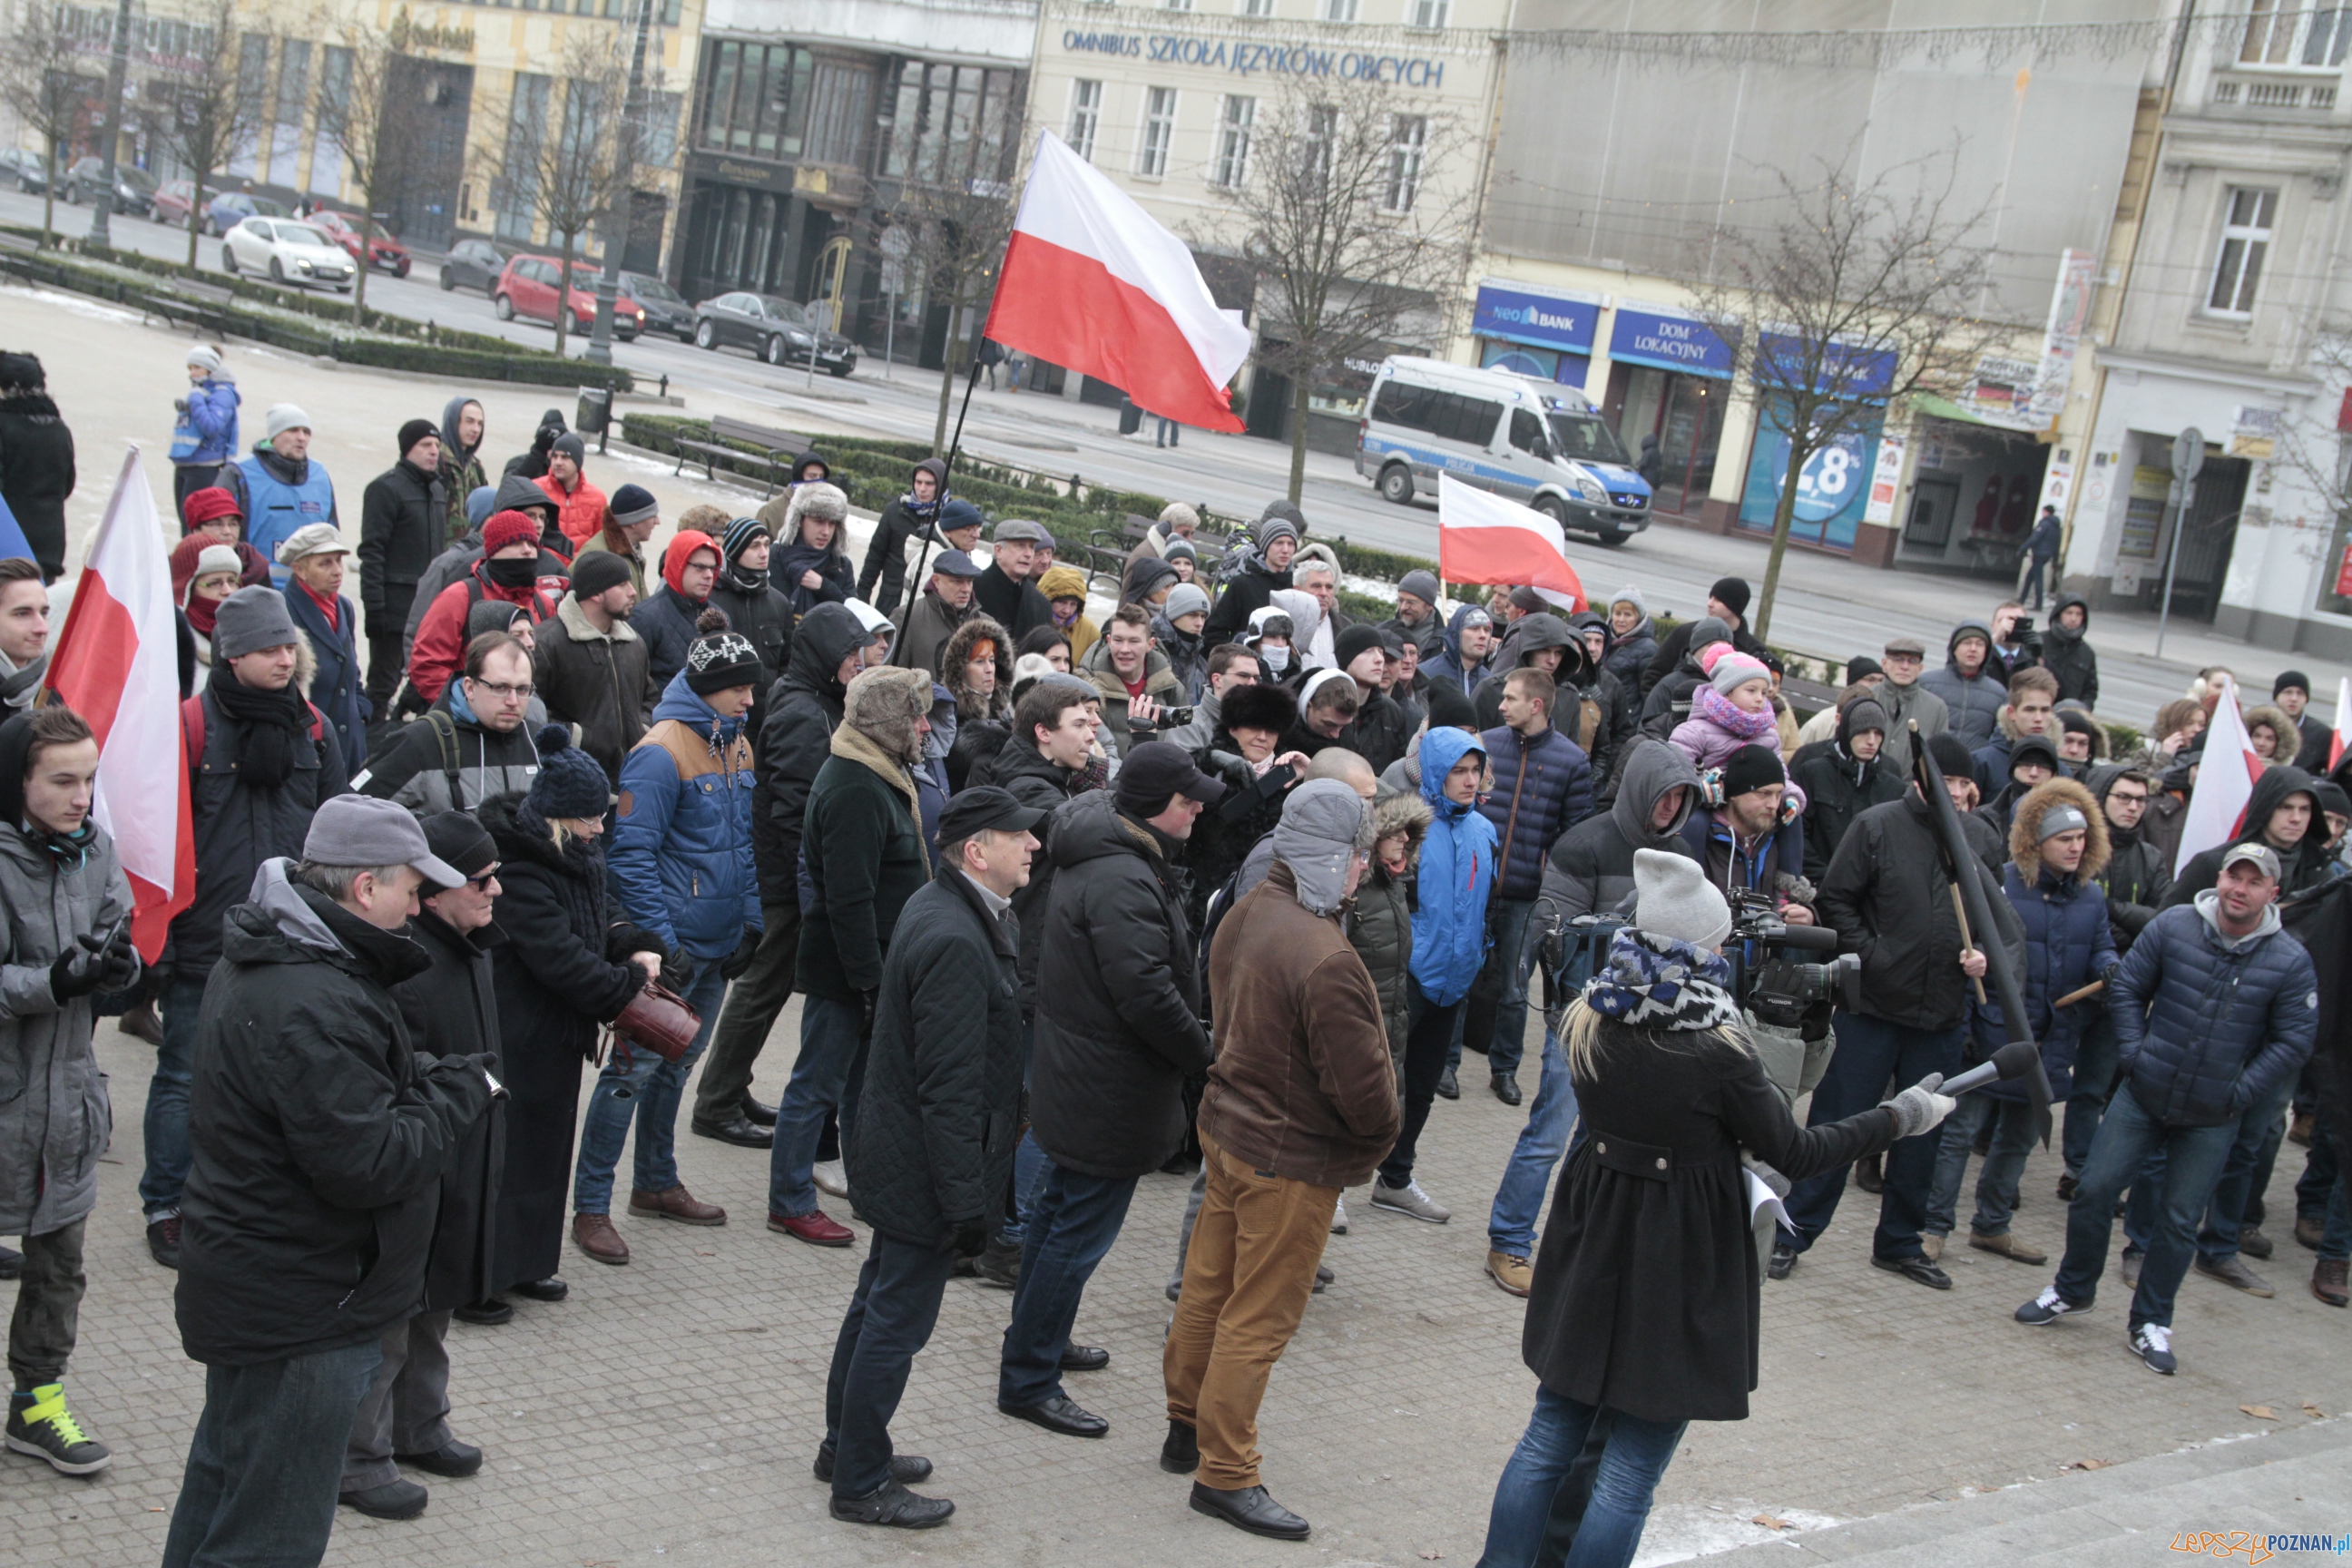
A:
[393, 1499]
[1784, 1258]
[892, 1504]
[999, 1265]
[1249, 1508]
[905, 1468]
[740, 1132]
[1507, 1088]
[1060, 1413]
[547, 1290]
[12, 1263]
[1448, 1086]
[1918, 1270]
[489, 1313]
[1085, 1358]
[1180, 1455]
[757, 1114]
[455, 1459]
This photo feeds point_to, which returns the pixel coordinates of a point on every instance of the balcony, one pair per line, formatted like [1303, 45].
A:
[2269, 92]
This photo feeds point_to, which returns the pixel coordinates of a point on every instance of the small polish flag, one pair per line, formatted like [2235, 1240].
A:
[1092, 283]
[1482, 538]
[2341, 741]
[2225, 780]
[116, 664]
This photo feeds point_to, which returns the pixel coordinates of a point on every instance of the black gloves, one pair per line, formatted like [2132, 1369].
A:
[94, 964]
[867, 1001]
[971, 1238]
[737, 962]
[2108, 973]
[679, 970]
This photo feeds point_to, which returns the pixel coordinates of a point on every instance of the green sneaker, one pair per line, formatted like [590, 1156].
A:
[40, 1425]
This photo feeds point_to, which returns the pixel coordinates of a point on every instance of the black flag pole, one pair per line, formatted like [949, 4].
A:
[955, 442]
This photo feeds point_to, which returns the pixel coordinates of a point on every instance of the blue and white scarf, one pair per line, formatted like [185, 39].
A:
[1658, 982]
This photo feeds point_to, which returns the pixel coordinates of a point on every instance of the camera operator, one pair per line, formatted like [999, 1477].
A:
[1755, 840]
[1888, 896]
[1134, 679]
[1648, 1233]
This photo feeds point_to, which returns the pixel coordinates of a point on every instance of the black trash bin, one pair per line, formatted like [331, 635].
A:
[594, 415]
[1130, 417]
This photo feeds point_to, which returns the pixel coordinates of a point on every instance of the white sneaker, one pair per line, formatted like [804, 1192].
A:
[831, 1178]
[1340, 1216]
[1411, 1200]
[2152, 1342]
[2046, 1308]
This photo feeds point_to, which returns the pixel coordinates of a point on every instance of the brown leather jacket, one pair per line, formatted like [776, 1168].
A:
[1301, 1085]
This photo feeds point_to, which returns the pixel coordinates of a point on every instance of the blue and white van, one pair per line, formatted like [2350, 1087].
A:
[1537, 442]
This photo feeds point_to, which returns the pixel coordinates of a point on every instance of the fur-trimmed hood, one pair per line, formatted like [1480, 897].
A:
[2290, 739]
[2025, 828]
[1402, 811]
[958, 653]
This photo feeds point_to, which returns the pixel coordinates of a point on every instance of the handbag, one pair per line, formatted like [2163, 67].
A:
[658, 1020]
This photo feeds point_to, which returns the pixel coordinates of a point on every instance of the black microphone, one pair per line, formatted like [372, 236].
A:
[2014, 1059]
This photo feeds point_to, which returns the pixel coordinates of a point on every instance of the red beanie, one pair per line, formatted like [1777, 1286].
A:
[209, 505]
[681, 550]
[505, 527]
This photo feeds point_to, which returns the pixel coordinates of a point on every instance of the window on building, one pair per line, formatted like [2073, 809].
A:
[1175, 4]
[1254, 7]
[1322, 130]
[252, 77]
[2245, 241]
[1230, 170]
[2281, 33]
[661, 129]
[1085, 112]
[1427, 13]
[1159, 131]
[839, 95]
[1408, 140]
[515, 192]
[1339, 10]
[334, 101]
[293, 90]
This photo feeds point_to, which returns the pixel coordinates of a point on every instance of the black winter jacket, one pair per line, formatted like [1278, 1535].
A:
[1675, 647]
[665, 618]
[882, 579]
[1118, 1017]
[1591, 869]
[932, 1143]
[764, 616]
[320, 1137]
[795, 737]
[2068, 654]
[865, 855]
[1886, 894]
[1018, 607]
[452, 1010]
[2305, 866]
[37, 474]
[1248, 586]
[1022, 771]
[2136, 876]
[1837, 790]
[2205, 1027]
[404, 524]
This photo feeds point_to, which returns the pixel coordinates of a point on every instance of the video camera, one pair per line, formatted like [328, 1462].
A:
[1777, 987]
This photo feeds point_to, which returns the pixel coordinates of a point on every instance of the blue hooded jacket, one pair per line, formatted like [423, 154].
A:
[1455, 880]
[681, 854]
[212, 414]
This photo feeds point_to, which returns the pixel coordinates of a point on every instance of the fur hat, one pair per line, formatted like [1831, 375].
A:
[882, 704]
[1262, 705]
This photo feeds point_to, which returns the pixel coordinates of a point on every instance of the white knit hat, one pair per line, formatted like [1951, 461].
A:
[1673, 898]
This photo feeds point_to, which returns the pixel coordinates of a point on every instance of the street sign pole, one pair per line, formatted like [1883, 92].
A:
[2188, 461]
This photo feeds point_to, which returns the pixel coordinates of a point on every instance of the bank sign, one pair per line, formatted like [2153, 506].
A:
[1239, 57]
[1543, 321]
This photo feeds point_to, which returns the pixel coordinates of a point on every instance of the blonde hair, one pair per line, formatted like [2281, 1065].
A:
[1580, 1038]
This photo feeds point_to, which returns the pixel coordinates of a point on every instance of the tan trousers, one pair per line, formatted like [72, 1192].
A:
[1247, 1277]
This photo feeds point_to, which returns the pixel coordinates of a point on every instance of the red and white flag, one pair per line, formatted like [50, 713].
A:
[2341, 741]
[116, 664]
[2225, 780]
[1093, 283]
[1482, 538]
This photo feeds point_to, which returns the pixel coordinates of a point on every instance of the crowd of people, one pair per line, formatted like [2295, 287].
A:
[1220, 880]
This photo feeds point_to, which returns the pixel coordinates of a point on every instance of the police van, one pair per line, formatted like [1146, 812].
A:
[1537, 442]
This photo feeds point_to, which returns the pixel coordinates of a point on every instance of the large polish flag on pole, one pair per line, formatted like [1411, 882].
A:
[1482, 538]
[1092, 283]
[2225, 780]
[2340, 740]
[116, 664]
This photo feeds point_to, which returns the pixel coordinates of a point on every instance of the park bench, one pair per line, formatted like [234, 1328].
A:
[203, 305]
[728, 439]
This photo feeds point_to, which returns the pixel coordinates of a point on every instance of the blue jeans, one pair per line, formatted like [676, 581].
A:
[1030, 1167]
[642, 1086]
[2128, 1136]
[2087, 1101]
[1512, 1227]
[167, 1096]
[2244, 1174]
[2319, 1170]
[1611, 1529]
[1499, 1026]
[890, 1320]
[1869, 1052]
[1077, 1218]
[2012, 1139]
[831, 1043]
[267, 1460]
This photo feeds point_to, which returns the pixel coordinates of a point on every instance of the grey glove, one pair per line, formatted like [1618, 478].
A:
[1919, 1107]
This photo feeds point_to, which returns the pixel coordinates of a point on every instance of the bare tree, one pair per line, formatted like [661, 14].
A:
[38, 82]
[210, 118]
[954, 232]
[1860, 295]
[371, 115]
[578, 173]
[1350, 251]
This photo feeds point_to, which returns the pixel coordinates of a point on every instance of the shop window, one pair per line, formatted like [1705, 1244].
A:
[1428, 13]
[2245, 242]
[1408, 143]
[1085, 112]
[1230, 172]
[1159, 131]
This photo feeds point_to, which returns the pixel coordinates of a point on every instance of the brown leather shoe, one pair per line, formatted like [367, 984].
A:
[2327, 1282]
[2006, 1246]
[593, 1235]
[676, 1204]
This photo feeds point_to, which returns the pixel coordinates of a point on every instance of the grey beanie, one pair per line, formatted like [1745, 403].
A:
[206, 359]
[2061, 818]
[252, 619]
[1324, 825]
[1280, 519]
[1184, 599]
[282, 417]
[1630, 594]
[1673, 898]
[1705, 630]
[1420, 584]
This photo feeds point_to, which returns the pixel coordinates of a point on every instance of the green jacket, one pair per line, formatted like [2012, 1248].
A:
[862, 859]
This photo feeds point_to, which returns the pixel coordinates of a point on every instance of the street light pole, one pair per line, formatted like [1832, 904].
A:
[616, 223]
[118, 64]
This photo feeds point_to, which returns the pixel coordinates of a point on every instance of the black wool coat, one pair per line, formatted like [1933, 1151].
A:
[932, 1142]
[801, 709]
[1118, 993]
[1021, 771]
[452, 1010]
[1646, 1285]
[404, 524]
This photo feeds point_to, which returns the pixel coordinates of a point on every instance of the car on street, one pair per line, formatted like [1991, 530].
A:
[527, 288]
[172, 199]
[134, 189]
[385, 254]
[473, 264]
[30, 171]
[228, 209]
[289, 251]
[776, 329]
[666, 309]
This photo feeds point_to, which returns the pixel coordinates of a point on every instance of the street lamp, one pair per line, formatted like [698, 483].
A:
[118, 64]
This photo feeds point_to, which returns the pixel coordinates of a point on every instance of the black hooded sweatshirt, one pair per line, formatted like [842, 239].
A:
[795, 737]
[2303, 866]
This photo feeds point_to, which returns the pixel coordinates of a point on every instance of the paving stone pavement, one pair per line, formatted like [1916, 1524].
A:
[666, 1414]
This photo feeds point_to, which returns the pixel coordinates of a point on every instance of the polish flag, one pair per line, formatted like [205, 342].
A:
[1482, 538]
[1092, 283]
[2225, 780]
[116, 664]
[2341, 741]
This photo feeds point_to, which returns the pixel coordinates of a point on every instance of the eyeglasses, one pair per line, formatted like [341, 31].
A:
[481, 884]
[511, 693]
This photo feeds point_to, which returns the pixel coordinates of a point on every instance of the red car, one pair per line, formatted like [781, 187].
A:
[526, 288]
[384, 253]
[173, 201]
